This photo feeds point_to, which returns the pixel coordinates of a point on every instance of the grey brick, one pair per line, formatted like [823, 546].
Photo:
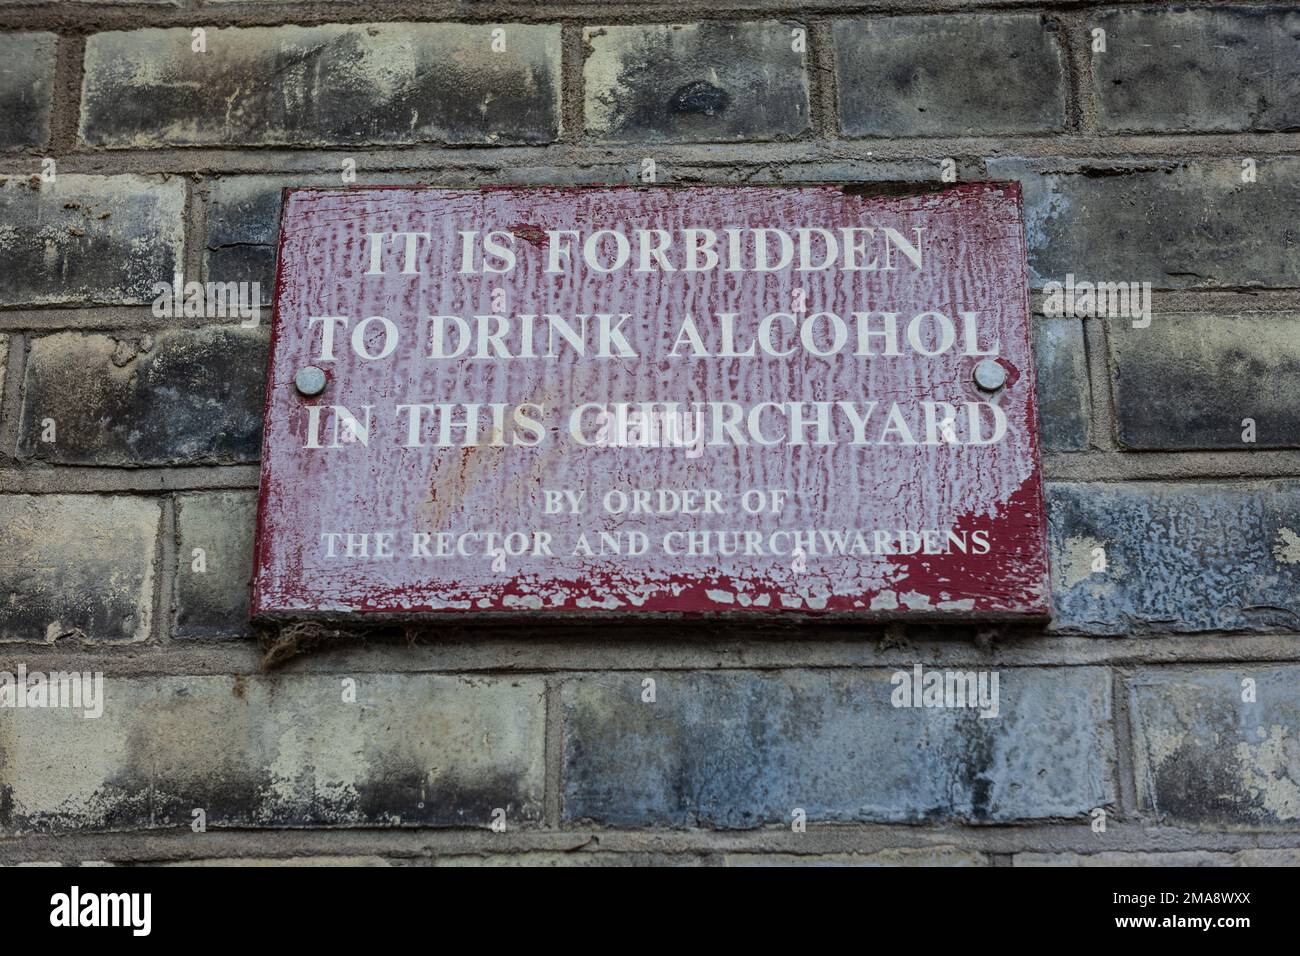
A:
[1229, 69]
[1203, 755]
[733, 750]
[80, 566]
[1281, 857]
[1188, 381]
[949, 75]
[927, 856]
[378, 83]
[569, 860]
[1062, 369]
[816, 172]
[182, 396]
[1176, 225]
[1179, 557]
[279, 751]
[26, 84]
[88, 239]
[243, 228]
[294, 861]
[212, 588]
[695, 82]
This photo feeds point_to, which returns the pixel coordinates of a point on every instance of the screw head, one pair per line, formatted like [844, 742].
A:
[309, 380]
[990, 375]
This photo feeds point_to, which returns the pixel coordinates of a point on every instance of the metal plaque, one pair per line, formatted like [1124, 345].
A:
[635, 400]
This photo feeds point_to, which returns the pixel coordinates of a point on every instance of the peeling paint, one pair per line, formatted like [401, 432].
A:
[1073, 560]
[1270, 771]
[1287, 548]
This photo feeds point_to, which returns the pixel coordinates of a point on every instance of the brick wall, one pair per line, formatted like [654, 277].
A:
[1131, 701]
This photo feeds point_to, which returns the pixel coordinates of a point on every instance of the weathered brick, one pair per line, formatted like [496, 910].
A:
[243, 226]
[59, 863]
[176, 396]
[854, 172]
[567, 860]
[1062, 369]
[287, 751]
[88, 239]
[1206, 70]
[212, 585]
[1178, 557]
[1281, 857]
[745, 749]
[1175, 225]
[695, 82]
[295, 861]
[928, 856]
[1203, 755]
[1189, 381]
[949, 75]
[62, 770]
[381, 83]
[26, 84]
[77, 565]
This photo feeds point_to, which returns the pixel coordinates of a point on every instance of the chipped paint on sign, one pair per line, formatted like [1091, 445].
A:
[498, 431]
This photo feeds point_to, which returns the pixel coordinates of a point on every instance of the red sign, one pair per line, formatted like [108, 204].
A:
[650, 400]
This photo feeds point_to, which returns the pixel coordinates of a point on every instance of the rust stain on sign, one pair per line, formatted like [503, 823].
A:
[693, 400]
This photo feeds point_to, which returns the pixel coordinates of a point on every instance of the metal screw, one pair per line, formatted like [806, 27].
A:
[310, 380]
[990, 375]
